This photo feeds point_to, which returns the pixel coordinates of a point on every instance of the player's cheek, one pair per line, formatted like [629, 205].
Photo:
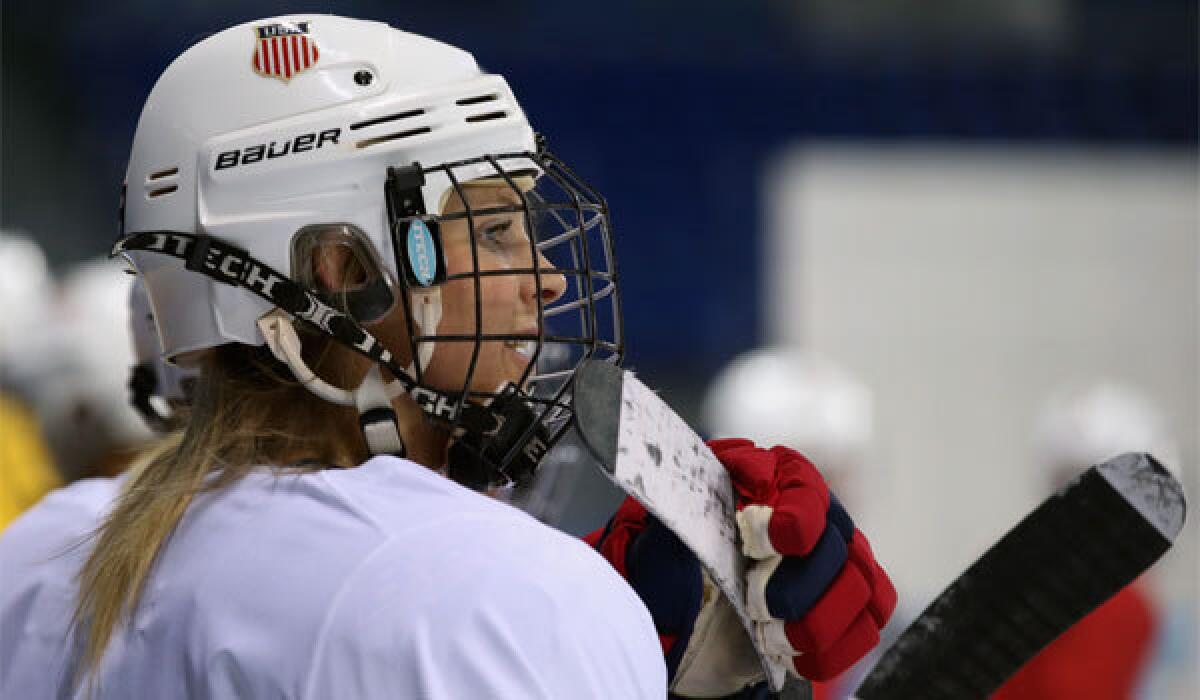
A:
[501, 302]
[458, 307]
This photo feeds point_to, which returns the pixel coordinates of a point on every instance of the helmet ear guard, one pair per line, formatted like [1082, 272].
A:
[339, 263]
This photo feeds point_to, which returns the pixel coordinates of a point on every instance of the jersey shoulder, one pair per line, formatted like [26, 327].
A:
[62, 518]
[40, 554]
[515, 608]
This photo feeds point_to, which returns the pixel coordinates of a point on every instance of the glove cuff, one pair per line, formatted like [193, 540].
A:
[720, 659]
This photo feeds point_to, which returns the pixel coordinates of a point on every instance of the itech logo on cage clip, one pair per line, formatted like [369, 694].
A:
[270, 151]
[421, 256]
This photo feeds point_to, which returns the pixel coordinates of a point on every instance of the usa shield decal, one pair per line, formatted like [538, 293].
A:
[284, 49]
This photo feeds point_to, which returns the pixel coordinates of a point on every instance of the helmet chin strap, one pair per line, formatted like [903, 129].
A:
[373, 396]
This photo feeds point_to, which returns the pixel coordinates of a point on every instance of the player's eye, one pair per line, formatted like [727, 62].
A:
[495, 233]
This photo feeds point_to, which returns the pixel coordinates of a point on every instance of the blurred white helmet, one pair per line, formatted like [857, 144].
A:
[276, 136]
[157, 388]
[787, 396]
[74, 364]
[1078, 428]
[26, 292]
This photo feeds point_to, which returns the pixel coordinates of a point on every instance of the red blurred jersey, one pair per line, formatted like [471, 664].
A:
[1103, 656]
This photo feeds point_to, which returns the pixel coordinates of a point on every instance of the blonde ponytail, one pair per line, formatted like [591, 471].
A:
[246, 412]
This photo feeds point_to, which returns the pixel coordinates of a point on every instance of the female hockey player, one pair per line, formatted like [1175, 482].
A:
[357, 238]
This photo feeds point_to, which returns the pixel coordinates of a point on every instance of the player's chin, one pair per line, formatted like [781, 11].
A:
[520, 367]
[495, 369]
[506, 364]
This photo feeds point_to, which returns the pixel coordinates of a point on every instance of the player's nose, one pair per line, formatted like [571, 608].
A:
[553, 282]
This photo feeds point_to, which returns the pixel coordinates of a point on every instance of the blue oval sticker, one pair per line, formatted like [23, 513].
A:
[421, 257]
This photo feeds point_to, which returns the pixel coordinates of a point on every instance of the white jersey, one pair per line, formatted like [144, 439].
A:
[384, 581]
[40, 553]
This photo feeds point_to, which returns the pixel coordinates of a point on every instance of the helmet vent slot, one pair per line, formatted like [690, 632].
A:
[162, 191]
[475, 100]
[162, 174]
[367, 143]
[487, 117]
[389, 118]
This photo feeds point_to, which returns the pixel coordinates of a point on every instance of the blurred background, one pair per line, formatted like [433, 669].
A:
[978, 211]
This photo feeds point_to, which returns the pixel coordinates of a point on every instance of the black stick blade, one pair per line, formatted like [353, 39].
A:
[1072, 553]
[597, 406]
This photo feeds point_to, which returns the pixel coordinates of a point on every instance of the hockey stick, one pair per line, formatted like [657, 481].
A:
[654, 456]
[1073, 552]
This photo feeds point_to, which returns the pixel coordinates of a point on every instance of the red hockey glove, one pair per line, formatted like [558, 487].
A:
[703, 641]
[659, 567]
[816, 590]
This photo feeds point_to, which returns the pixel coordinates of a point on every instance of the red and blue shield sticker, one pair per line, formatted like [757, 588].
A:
[284, 49]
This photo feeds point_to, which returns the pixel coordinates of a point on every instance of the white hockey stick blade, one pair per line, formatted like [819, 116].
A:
[1073, 552]
[654, 456]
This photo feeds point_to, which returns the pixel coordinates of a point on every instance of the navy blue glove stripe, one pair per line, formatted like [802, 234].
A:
[799, 581]
[839, 518]
[667, 577]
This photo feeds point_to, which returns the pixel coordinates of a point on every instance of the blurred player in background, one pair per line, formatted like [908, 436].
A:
[1106, 655]
[794, 397]
[72, 365]
[84, 405]
[26, 468]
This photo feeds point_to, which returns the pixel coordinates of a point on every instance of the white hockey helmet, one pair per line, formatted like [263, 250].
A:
[791, 397]
[157, 387]
[262, 138]
[1080, 427]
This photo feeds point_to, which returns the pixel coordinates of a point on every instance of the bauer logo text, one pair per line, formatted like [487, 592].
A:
[275, 149]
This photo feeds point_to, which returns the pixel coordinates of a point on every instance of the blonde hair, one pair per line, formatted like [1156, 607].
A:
[247, 411]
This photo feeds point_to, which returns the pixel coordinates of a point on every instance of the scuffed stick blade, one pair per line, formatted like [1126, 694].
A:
[654, 456]
[1073, 552]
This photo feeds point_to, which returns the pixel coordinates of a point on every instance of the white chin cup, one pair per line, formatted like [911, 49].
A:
[427, 314]
[382, 435]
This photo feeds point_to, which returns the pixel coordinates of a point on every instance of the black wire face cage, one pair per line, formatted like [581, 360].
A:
[525, 228]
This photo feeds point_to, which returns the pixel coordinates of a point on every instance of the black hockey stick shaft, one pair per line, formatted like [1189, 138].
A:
[1073, 552]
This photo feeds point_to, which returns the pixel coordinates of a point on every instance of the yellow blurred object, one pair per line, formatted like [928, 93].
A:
[26, 470]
